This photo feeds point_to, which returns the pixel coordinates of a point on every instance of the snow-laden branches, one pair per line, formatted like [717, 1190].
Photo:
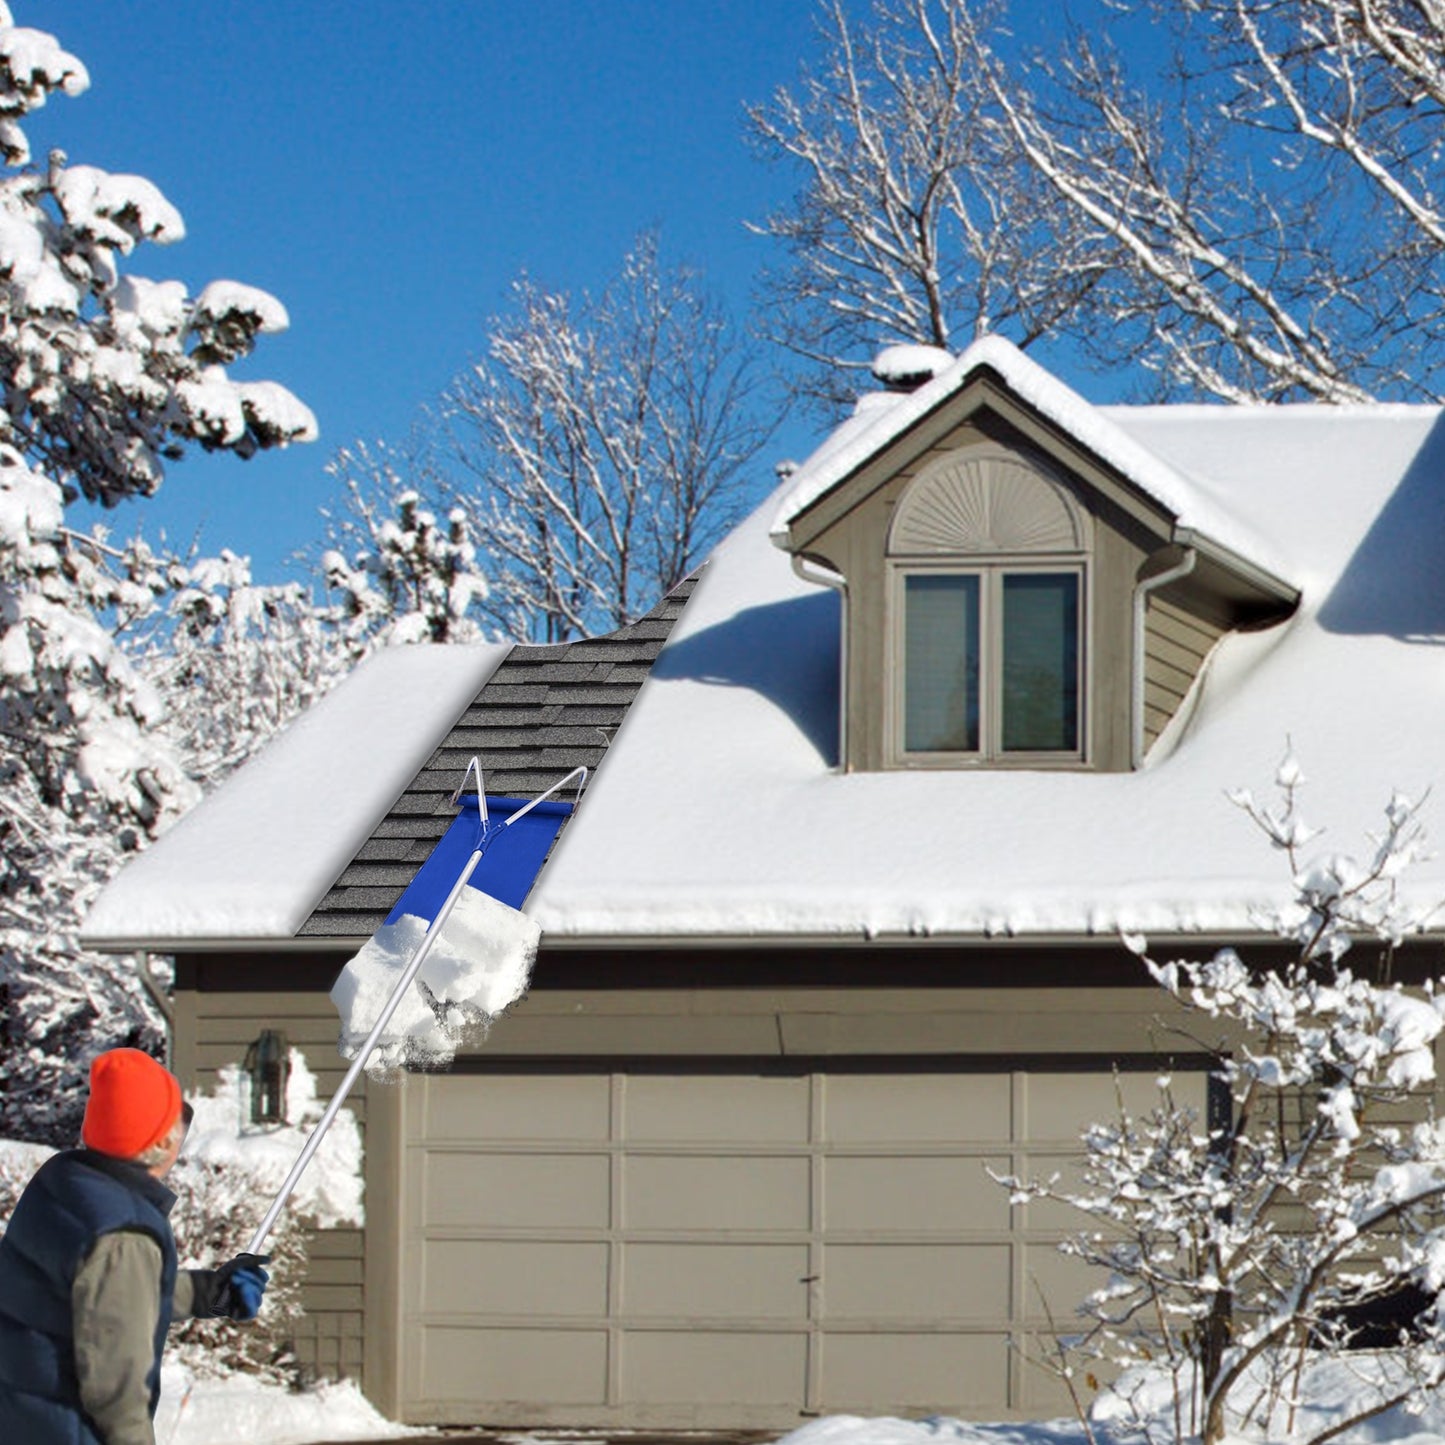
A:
[601, 447]
[910, 224]
[394, 572]
[104, 378]
[1257, 216]
[1239, 1246]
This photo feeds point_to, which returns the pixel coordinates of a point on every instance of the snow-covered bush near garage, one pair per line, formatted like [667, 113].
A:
[228, 1174]
[226, 1177]
[1238, 1254]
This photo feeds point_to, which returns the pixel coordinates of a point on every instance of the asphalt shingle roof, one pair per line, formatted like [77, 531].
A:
[543, 712]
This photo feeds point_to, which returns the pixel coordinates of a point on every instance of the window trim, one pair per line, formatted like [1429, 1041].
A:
[991, 570]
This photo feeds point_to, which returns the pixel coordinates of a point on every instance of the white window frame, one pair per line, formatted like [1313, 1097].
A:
[991, 572]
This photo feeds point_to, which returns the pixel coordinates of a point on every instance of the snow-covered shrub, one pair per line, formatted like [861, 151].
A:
[226, 1178]
[217, 1207]
[1237, 1251]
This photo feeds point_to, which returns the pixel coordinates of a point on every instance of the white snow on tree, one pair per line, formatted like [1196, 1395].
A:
[603, 446]
[394, 571]
[1240, 1251]
[104, 378]
[1179, 183]
[234, 660]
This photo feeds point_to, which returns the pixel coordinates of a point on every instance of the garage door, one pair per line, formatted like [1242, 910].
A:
[733, 1247]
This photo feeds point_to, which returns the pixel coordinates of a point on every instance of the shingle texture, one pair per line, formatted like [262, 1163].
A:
[545, 711]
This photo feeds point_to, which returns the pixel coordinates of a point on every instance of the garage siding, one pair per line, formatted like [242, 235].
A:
[214, 1028]
[733, 1246]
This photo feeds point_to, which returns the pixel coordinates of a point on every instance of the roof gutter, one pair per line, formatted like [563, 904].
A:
[1142, 594]
[1242, 567]
[811, 570]
[233, 944]
[849, 939]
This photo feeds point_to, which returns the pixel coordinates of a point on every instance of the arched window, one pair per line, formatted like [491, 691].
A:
[988, 582]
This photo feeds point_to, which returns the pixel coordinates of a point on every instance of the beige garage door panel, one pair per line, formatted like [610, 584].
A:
[713, 1368]
[918, 1109]
[708, 1109]
[923, 1282]
[715, 1281]
[932, 1372]
[697, 1192]
[481, 1370]
[519, 1107]
[514, 1277]
[939, 1194]
[735, 1248]
[517, 1191]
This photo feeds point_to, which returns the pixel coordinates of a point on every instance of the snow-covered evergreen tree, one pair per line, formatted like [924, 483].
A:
[103, 379]
[393, 571]
[1240, 1250]
[235, 660]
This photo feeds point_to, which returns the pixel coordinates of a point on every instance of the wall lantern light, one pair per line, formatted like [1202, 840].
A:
[268, 1065]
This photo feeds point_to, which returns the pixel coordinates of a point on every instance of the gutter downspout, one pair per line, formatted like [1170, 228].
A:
[810, 571]
[159, 999]
[1141, 602]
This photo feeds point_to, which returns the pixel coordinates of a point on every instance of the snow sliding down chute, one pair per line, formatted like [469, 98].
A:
[452, 954]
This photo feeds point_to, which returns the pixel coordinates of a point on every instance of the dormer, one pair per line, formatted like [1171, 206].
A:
[1025, 585]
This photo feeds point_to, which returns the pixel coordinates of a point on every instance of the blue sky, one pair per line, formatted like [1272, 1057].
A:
[387, 170]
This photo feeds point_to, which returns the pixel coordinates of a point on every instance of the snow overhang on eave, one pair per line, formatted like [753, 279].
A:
[1252, 577]
[1159, 943]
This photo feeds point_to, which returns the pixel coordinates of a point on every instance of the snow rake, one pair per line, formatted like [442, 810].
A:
[477, 839]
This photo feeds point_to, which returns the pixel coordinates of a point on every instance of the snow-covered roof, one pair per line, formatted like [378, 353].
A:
[253, 858]
[719, 814]
[884, 417]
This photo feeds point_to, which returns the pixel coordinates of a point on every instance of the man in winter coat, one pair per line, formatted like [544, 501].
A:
[88, 1277]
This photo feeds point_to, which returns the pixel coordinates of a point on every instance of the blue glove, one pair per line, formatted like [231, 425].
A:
[240, 1284]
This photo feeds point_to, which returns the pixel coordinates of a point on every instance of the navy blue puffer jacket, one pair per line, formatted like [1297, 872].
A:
[74, 1198]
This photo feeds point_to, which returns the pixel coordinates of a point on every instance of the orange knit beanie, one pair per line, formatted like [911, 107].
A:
[133, 1103]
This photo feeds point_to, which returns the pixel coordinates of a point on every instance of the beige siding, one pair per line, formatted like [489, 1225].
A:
[854, 543]
[215, 1028]
[1176, 642]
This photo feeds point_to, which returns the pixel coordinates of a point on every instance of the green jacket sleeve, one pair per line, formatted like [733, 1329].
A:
[115, 1302]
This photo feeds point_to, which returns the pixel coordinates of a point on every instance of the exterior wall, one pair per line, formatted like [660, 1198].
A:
[1176, 642]
[1015, 1008]
[221, 1006]
[854, 544]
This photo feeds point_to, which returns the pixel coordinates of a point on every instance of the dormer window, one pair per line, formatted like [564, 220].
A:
[1023, 583]
[988, 584]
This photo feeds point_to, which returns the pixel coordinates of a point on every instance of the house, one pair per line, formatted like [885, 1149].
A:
[836, 929]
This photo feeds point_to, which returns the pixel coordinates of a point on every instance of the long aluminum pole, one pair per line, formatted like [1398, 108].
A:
[313, 1142]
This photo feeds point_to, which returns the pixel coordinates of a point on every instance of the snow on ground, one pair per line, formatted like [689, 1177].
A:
[1335, 1390]
[241, 1411]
